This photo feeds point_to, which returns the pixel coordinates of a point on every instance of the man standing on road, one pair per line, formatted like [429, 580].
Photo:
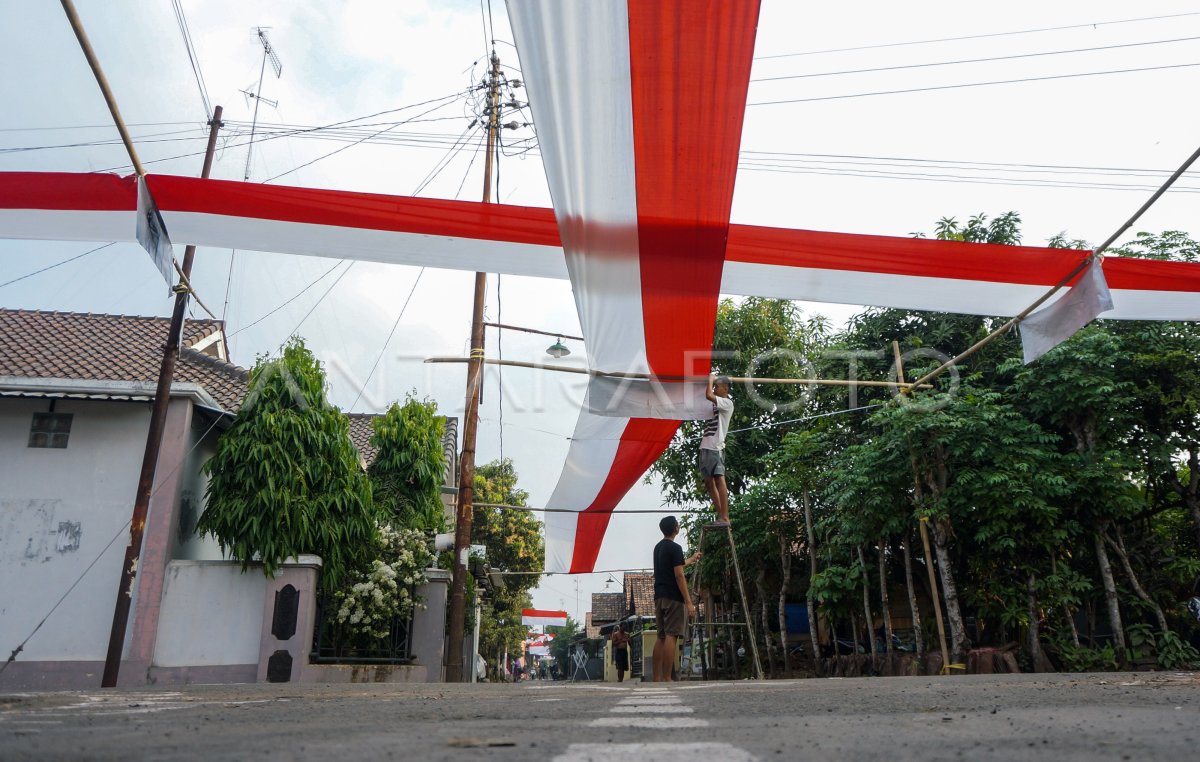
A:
[620, 644]
[712, 446]
[672, 602]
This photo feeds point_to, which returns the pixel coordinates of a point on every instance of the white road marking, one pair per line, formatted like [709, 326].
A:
[642, 709]
[653, 752]
[650, 701]
[657, 723]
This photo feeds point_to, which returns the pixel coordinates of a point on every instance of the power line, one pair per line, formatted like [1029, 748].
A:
[971, 84]
[56, 264]
[388, 340]
[972, 60]
[181, 18]
[979, 180]
[1089, 25]
[296, 296]
[297, 132]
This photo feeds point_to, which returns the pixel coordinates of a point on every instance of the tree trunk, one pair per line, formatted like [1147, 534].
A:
[813, 635]
[1034, 640]
[883, 597]
[912, 597]
[869, 622]
[763, 618]
[1110, 593]
[1070, 616]
[1119, 547]
[958, 633]
[785, 561]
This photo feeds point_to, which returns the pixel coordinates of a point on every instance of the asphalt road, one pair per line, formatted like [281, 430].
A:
[1144, 716]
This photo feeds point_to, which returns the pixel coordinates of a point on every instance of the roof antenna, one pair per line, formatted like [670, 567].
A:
[269, 54]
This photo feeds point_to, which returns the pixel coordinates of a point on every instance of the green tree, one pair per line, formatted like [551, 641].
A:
[409, 469]
[285, 478]
[514, 544]
[764, 338]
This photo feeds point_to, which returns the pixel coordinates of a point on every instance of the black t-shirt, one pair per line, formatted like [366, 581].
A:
[667, 555]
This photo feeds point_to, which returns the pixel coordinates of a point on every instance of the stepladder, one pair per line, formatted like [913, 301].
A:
[720, 641]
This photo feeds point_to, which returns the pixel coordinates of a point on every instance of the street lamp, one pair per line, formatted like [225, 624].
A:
[558, 349]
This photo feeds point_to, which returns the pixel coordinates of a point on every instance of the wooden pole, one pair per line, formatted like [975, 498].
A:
[674, 379]
[933, 586]
[466, 473]
[154, 436]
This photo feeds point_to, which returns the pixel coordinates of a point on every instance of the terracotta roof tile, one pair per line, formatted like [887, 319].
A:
[88, 346]
[608, 607]
[639, 593]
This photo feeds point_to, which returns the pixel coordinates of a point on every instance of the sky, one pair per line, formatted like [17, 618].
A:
[820, 150]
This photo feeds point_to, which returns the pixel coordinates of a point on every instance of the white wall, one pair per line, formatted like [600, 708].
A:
[187, 545]
[212, 614]
[90, 483]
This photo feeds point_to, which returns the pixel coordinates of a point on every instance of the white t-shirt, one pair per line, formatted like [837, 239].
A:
[717, 426]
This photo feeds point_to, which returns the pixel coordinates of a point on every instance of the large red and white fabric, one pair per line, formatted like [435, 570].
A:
[638, 106]
[843, 268]
[544, 617]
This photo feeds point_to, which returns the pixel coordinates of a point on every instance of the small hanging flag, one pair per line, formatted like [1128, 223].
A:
[151, 233]
[542, 616]
[1051, 326]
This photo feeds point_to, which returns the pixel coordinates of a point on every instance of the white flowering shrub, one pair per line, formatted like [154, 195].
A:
[386, 591]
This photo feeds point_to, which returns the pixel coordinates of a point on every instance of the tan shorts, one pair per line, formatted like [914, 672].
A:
[671, 617]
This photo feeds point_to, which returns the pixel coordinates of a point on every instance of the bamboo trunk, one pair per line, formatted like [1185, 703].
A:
[869, 621]
[786, 564]
[912, 597]
[883, 598]
[1034, 641]
[1119, 547]
[958, 633]
[763, 618]
[813, 635]
[1110, 592]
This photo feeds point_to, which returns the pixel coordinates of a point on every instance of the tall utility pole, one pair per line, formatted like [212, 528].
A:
[466, 467]
[158, 418]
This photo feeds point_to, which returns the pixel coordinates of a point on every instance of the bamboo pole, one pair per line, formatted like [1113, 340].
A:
[677, 379]
[102, 81]
[933, 588]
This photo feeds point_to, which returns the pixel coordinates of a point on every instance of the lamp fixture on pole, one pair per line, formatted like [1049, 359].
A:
[558, 349]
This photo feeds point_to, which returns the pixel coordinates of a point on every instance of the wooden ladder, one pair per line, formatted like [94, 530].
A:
[727, 534]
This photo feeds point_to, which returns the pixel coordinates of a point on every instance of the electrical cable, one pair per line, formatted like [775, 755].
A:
[181, 18]
[972, 60]
[388, 340]
[351, 145]
[294, 297]
[317, 303]
[56, 264]
[1090, 25]
[971, 84]
[1018, 182]
[296, 132]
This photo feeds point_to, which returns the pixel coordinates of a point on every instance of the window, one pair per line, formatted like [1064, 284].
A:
[50, 430]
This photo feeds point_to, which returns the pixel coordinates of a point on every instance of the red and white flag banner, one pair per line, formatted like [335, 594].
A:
[544, 617]
[642, 172]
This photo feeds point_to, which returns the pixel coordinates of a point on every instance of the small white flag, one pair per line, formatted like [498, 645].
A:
[151, 233]
[1048, 327]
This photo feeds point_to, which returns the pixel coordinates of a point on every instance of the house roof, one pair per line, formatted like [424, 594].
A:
[89, 346]
[608, 607]
[639, 593]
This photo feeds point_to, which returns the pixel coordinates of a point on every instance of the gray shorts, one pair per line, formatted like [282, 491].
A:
[712, 463]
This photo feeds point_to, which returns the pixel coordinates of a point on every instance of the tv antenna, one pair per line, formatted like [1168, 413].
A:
[269, 54]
